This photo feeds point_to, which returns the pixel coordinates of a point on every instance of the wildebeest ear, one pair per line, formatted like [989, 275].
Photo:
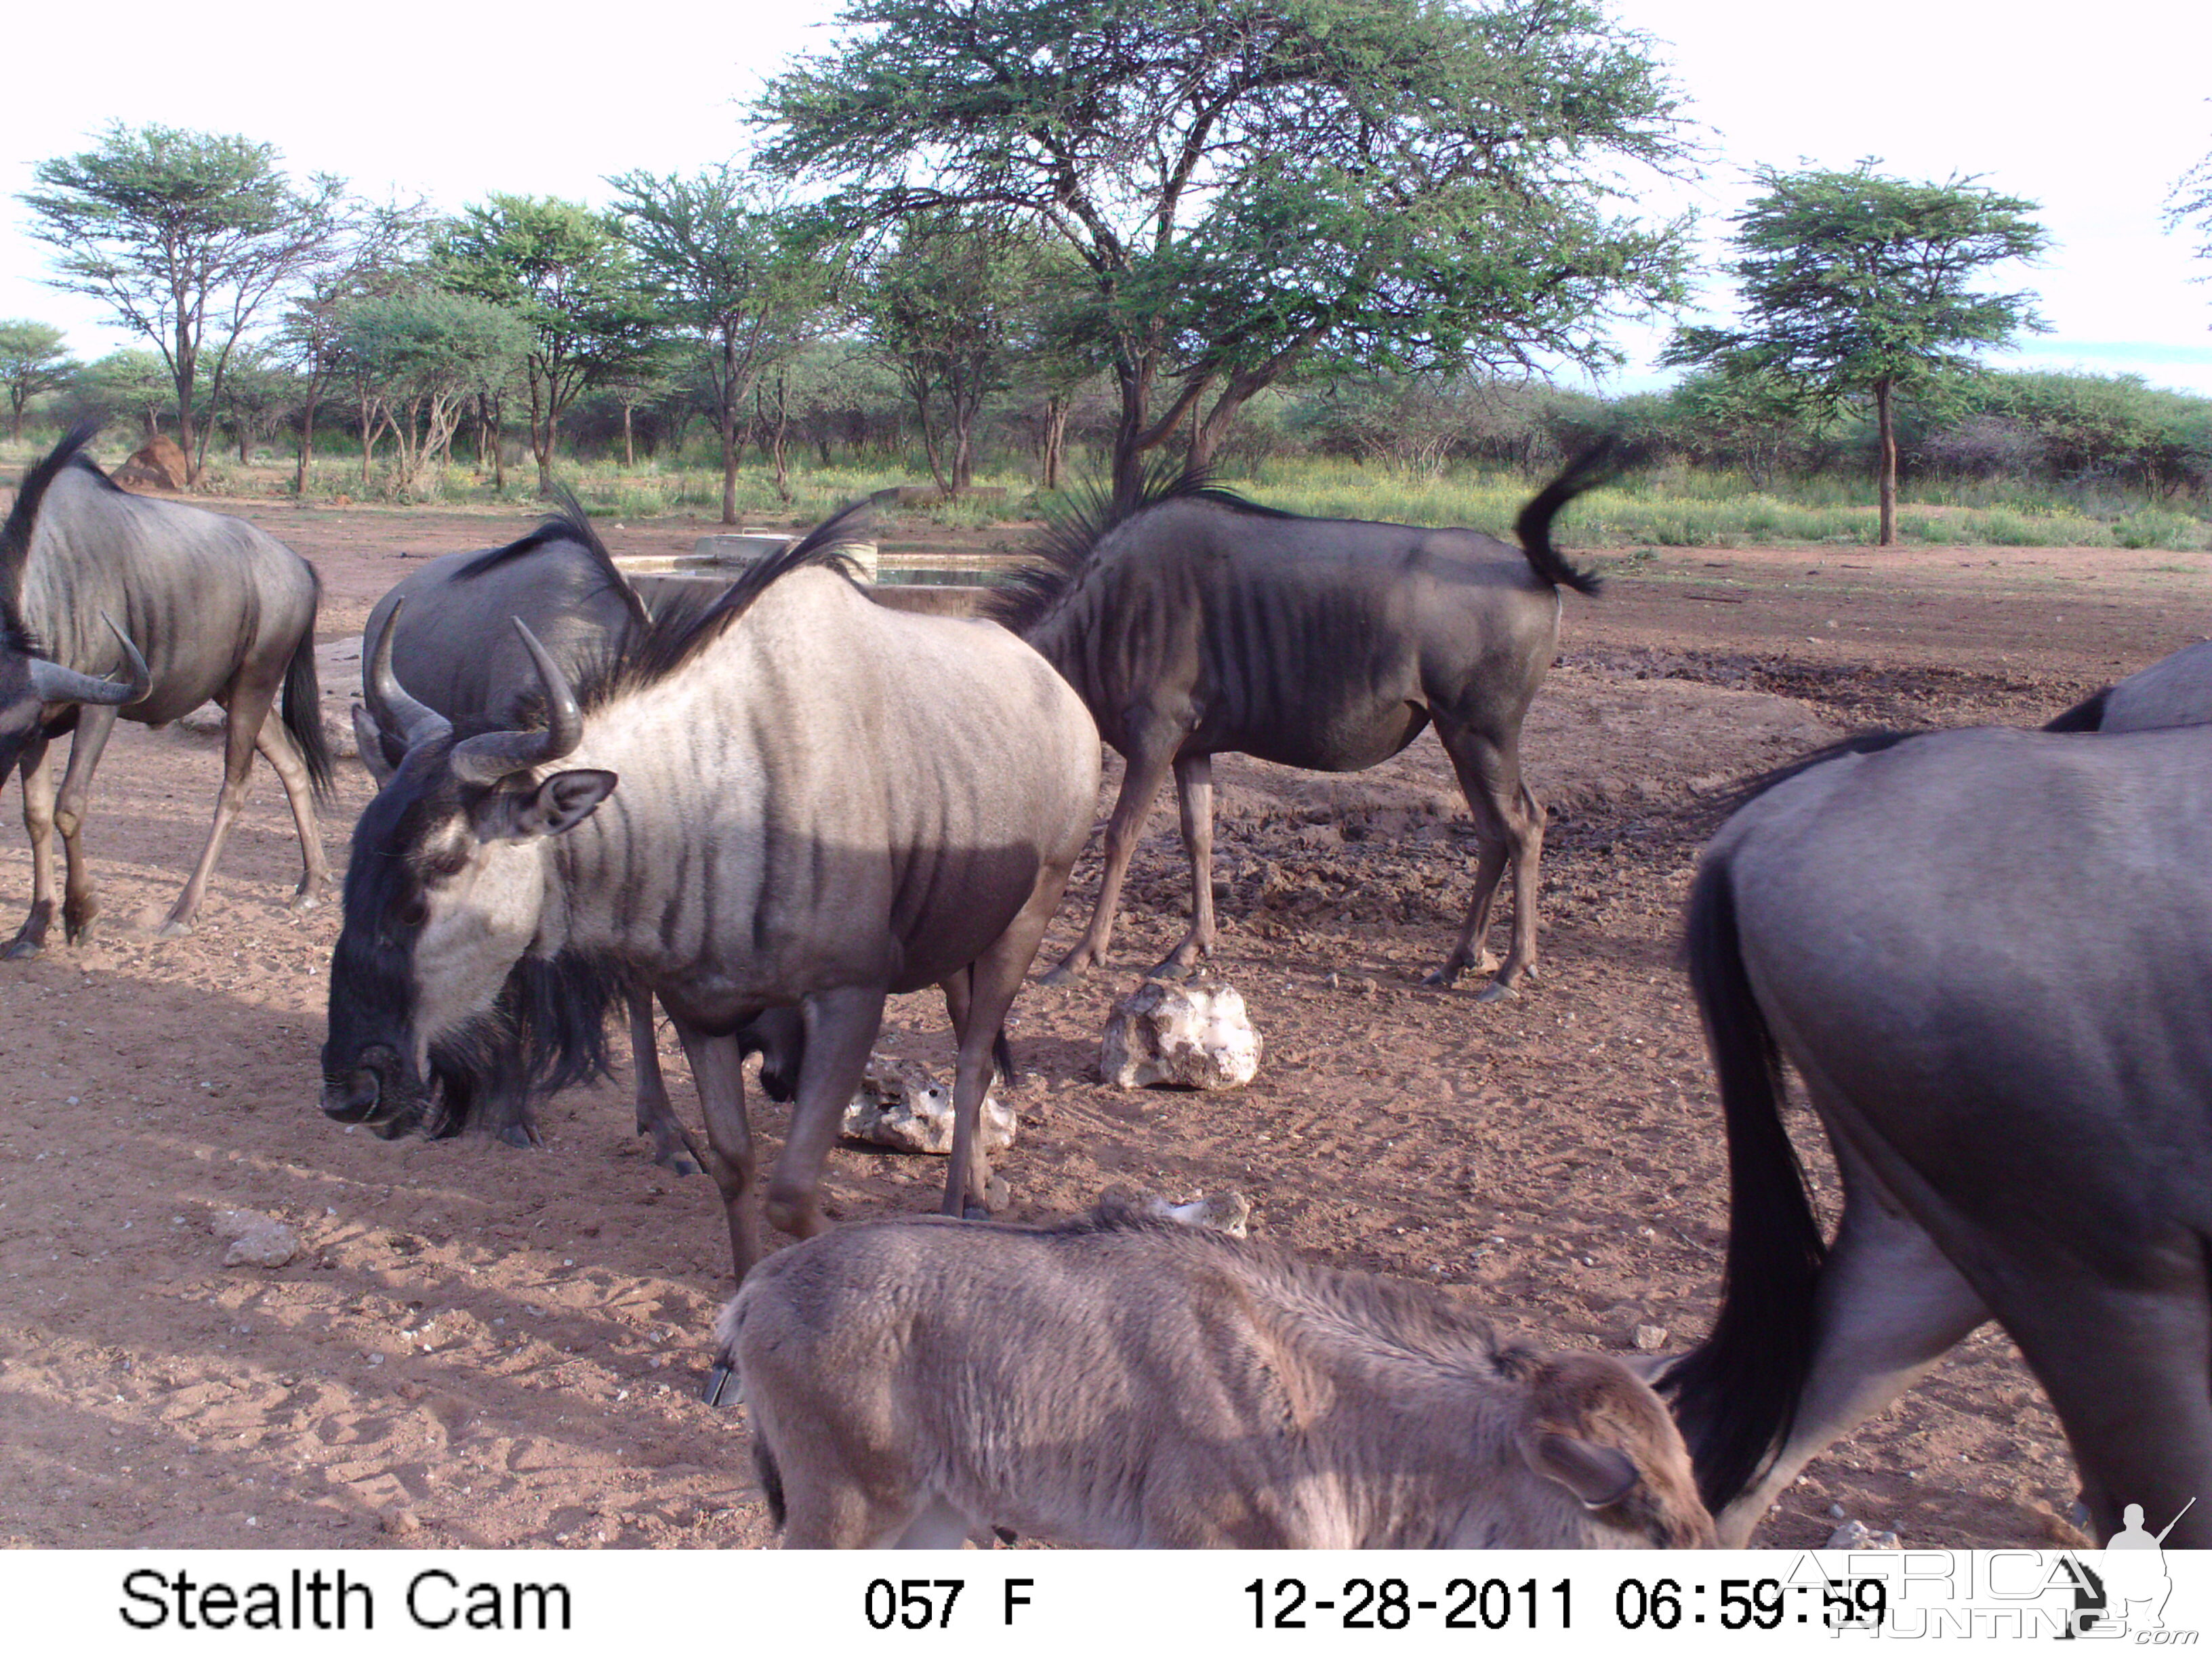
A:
[553, 808]
[1600, 1475]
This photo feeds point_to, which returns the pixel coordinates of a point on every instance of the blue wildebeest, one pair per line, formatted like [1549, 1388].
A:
[2175, 690]
[1196, 623]
[446, 632]
[1127, 1382]
[820, 802]
[219, 610]
[1989, 955]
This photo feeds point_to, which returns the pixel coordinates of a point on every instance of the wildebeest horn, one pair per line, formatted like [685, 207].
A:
[389, 705]
[54, 684]
[497, 755]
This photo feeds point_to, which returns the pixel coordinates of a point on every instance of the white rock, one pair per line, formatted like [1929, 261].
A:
[1220, 1212]
[1856, 1536]
[236, 1224]
[1648, 1339]
[1196, 1035]
[267, 1246]
[901, 1107]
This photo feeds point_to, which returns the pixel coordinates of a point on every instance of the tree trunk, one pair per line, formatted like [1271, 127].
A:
[368, 444]
[1887, 424]
[629, 444]
[1055, 438]
[307, 446]
[727, 427]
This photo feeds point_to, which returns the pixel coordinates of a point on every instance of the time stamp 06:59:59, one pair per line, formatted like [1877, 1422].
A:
[1497, 1604]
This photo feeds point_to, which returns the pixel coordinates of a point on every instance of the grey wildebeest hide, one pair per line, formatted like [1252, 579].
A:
[1196, 621]
[1989, 955]
[2175, 690]
[446, 633]
[1130, 1382]
[789, 797]
[89, 574]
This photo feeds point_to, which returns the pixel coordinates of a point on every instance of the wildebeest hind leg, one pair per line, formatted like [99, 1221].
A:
[39, 824]
[841, 1030]
[656, 1114]
[1887, 1305]
[1508, 826]
[250, 704]
[718, 1072]
[993, 978]
[284, 757]
[2126, 1370]
[1195, 805]
[1147, 769]
[80, 902]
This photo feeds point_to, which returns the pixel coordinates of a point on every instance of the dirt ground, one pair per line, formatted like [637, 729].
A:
[488, 1347]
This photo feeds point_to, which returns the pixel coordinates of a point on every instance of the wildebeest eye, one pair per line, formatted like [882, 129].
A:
[411, 914]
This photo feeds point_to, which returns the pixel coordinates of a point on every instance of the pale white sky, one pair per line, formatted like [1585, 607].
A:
[2091, 110]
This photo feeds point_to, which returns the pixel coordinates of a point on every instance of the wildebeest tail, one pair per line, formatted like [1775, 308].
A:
[1595, 466]
[1736, 1396]
[303, 701]
[2086, 715]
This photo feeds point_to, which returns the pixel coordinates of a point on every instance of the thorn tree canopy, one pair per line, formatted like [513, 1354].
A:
[2191, 200]
[1859, 286]
[566, 271]
[34, 358]
[184, 235]
[1254, 184]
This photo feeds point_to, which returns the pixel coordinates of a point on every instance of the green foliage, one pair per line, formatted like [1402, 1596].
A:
[131, 382]
[1250, 183]
[566, 272]
[184, 235]
[33, 359]
[2190, 202]
[415, 356]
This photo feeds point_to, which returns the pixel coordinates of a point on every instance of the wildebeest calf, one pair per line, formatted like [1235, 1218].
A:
[1126, 1382]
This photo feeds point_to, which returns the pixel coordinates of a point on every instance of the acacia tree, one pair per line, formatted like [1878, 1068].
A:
[185, 235]
[34, 358]
[1253, 183]
[1855, 286]
[375, 253]
[419, 357]
[950, 304]
[739, 266]
[566, 272]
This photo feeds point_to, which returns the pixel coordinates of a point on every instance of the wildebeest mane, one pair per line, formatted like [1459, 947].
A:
[686, 626]
[1059, 554]
[569, 522]
[1859, 742]
[23, 520]
[547, 1032]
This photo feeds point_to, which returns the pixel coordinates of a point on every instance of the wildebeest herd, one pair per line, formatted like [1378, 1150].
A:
[1986, 953]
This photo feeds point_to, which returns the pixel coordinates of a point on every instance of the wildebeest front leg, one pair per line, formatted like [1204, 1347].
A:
[841, 1030]
[284, 756]
[1509, 827]
[673, 1149]
[718, 1072]
[1140, 782]
[39, 824]
[79, 903]
[1194, 803]
[249, 707]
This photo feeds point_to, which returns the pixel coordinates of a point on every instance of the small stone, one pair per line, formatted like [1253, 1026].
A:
[1858, 1536]
[1836, 1512]
[1648, 1339]
[400, 1522]
[269, 1247]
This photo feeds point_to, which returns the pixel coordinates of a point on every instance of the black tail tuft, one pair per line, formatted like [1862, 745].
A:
[1598, 464]
[303, 704]
[1736, 1396]
[2086, 715]
[1002, 1058]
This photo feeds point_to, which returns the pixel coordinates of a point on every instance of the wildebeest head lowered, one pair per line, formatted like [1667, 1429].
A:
[91, 576]
[1195, 623]
[785, 797]
[1989, 955]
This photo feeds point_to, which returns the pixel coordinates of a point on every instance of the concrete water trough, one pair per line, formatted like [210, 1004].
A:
[929, 583]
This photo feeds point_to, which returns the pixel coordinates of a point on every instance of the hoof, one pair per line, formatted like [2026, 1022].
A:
[1062, 975]
[23, 950]
[717, 1385]
[174, 929]
[514, 1134]
[998, 1195]
[1497, 991]
[307, 901]
[679, 1165]
[1172, 970]
[1441, 979]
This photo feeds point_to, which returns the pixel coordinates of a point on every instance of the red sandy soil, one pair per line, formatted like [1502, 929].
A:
[490, 1347]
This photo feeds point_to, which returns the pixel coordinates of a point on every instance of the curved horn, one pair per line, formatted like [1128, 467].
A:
[389, 705]
[52, 683]
[497, 755]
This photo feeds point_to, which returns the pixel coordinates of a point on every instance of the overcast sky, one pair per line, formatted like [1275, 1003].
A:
[2094, 119]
